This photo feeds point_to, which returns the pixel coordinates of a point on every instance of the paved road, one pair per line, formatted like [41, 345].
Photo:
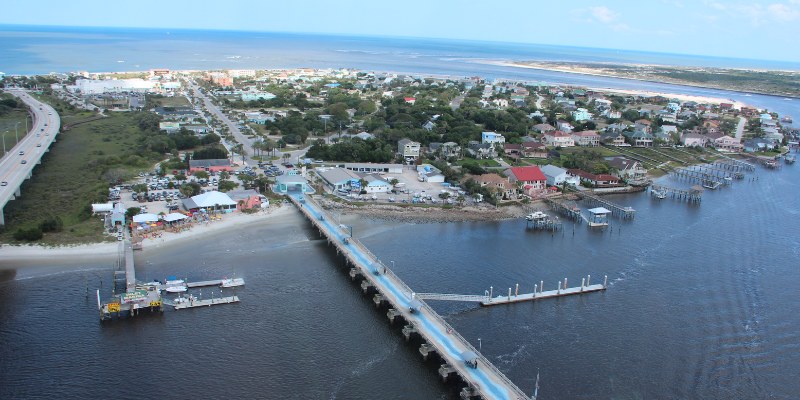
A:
[30, 149]
[295, 155]
[740, 127]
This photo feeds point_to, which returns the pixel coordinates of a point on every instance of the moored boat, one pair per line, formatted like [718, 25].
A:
[536, 216]
[789, 159]
[174, 285]
[231, 282]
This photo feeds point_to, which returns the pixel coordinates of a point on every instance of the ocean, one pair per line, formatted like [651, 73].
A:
[702, 299]
[41, 50]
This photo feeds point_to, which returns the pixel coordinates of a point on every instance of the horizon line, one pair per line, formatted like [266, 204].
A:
[378, 36]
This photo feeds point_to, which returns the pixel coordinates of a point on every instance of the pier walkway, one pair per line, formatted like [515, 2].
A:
[697, 176]
[537, 294]
[570, 211]
[459, 354]
[616, 210]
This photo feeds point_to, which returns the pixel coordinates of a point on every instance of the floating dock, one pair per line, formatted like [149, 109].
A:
[421, 319]
[192, 302]
[488, 299]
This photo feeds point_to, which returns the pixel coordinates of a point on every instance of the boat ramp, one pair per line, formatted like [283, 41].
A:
[458, 355]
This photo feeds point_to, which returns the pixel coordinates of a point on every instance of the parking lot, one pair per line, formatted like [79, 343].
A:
[408, 190]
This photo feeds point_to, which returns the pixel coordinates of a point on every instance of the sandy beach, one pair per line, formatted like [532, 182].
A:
[593, 72]
[11, 256]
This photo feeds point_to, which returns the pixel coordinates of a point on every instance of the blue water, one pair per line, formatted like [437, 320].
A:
[37, 50]
[702, 300]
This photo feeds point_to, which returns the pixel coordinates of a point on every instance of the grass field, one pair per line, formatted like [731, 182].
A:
[73, 175]
[12, 122]
[486, 162]
[174, 101]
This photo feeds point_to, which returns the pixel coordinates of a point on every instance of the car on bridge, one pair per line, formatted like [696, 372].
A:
[3, 183]
[24, 162]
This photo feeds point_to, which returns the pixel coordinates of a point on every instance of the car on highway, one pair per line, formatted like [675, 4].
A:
[22, 153]
[24, 162]
[38, 145]
[3, 183]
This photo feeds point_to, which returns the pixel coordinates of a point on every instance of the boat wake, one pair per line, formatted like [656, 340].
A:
[361, 369]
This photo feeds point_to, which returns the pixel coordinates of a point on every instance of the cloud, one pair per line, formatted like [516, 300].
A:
[756, 12]
[603, 14]
[783, 12]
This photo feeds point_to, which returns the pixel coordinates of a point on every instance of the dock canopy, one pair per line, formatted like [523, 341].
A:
[599, 210]
[142, 218]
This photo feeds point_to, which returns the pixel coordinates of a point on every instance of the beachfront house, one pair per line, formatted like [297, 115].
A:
[586, 138]
[504, 189]
[558, 139]
[556, 176]
[595, 180]
[631, 170]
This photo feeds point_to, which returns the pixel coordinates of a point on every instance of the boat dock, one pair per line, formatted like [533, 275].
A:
[542, 222]
[192, 302]
[692, 195]
[697, 176]
[137, 297]
[615, 209]
[742, 164]
[488, 299]
[725, 176]
[570, 211]
[458, 354]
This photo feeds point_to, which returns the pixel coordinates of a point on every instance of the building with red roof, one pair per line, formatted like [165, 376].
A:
[527, 176]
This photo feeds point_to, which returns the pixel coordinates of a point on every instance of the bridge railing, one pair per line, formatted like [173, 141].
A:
[518, 393]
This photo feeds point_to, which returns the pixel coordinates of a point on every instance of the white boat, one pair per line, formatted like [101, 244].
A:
[174, 285]
[728, 178]
[231, 282]
[535, 216]
[789, 159]
[660, 194]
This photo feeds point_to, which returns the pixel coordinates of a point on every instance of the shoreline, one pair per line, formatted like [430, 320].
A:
[589, 72]
[13, 255]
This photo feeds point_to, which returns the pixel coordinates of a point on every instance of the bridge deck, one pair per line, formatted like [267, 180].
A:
[491, 383]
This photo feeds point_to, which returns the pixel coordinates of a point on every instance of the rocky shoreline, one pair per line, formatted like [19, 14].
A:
[433, 214]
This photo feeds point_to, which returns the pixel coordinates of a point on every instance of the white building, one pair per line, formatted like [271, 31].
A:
[93, 86]
[492, 137]
[556, 176]
[558, 139]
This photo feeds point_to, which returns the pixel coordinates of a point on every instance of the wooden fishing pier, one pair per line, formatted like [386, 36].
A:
[619, 211]
[459, 355]
[692, 195]
[570, 211]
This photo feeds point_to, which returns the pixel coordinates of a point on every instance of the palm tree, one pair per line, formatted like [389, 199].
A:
[239, 149]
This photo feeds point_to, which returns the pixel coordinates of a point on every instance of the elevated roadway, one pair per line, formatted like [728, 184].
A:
[17, 164]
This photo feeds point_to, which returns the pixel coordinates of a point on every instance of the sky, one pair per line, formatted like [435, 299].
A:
[750, 29]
